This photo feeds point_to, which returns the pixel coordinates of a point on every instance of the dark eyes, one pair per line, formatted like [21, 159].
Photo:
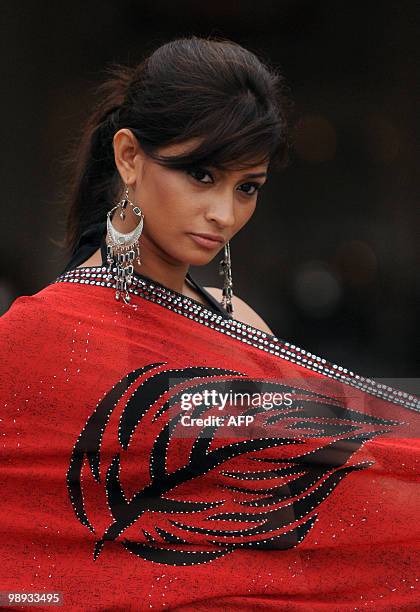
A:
[204, 176]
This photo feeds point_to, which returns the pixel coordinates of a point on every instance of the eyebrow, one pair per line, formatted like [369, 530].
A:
[255, 175]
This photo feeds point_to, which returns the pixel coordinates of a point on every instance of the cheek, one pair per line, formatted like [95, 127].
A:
[161, 187]
[166, 200]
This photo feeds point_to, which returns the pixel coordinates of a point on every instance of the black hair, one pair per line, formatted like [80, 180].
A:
[209, 88]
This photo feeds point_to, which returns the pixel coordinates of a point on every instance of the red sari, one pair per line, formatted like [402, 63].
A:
[117, 496]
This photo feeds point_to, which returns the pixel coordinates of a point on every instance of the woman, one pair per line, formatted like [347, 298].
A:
[163, 449]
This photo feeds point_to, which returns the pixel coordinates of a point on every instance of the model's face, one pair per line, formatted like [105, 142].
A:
[177, 203]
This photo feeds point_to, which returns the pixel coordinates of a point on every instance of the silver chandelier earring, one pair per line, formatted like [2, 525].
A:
[122, 249]
[226, 270]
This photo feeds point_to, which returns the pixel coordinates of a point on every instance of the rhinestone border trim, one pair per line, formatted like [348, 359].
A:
[188, 307]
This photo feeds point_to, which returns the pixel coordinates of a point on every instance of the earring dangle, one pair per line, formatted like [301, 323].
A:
[226, 271]
[122, 249]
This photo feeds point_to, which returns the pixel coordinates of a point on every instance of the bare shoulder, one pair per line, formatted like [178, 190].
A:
[242, 311]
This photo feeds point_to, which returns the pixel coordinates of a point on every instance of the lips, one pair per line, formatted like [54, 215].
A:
[207, 240]
[215, 237]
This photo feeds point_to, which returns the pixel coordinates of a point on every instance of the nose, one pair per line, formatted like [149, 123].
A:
[221, 210]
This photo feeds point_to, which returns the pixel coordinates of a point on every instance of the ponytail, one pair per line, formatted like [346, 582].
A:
[96, 181]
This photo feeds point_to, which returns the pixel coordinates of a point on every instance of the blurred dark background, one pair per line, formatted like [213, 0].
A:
[330, 257]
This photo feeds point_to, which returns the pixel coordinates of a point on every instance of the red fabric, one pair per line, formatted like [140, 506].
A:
[342, 533]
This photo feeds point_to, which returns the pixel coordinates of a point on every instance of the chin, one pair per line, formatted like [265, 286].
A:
[199, 259]
[196, 255]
